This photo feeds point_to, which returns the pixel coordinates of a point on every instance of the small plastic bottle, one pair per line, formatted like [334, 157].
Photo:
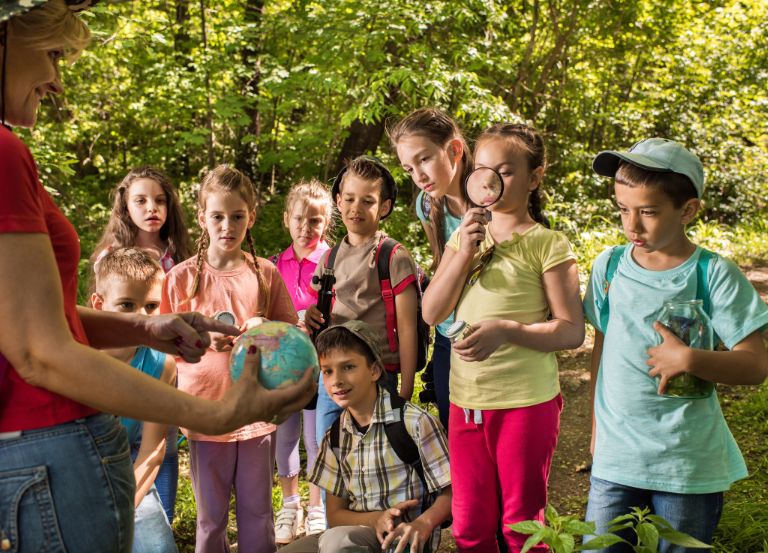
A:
[457, 331]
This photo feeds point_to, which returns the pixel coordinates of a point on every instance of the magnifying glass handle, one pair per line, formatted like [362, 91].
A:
[488, 215]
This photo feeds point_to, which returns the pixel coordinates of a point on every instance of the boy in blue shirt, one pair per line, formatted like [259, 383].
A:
[130, 280]
[675, 456]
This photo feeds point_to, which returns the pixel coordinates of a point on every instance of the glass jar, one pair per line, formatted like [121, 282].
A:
[457, 331]
[687, 320]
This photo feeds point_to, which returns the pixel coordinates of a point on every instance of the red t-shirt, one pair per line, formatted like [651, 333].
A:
[26, 207]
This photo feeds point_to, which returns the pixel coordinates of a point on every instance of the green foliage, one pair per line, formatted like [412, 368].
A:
[560, 531]
[284, 90]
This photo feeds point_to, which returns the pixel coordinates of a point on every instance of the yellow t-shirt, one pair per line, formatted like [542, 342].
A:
[509, 287]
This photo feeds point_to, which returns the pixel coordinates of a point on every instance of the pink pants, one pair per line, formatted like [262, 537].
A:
[500, 461]
[218, 467]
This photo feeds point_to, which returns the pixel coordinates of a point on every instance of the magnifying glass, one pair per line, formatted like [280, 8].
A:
[484, 187]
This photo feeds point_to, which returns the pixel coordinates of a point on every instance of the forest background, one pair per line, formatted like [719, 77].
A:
[285, 90]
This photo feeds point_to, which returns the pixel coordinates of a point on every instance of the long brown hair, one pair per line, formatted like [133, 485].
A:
[436, 126]
[228, 180]
[121, 231]
[531, 143]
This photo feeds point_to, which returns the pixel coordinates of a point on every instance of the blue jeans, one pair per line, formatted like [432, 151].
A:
[441, 369]
[167, 480]
[693, 514]
[152, 533]
[325, 413]
[68, 487]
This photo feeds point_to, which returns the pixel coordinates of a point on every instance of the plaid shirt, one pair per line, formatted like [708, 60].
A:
[368, 472]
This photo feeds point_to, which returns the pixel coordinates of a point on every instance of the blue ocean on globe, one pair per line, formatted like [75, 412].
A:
[286, 353]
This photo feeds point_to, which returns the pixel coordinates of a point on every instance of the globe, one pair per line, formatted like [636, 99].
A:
[286, 353]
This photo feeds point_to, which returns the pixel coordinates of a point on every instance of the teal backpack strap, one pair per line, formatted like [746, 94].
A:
[702, 288]
[610, 270]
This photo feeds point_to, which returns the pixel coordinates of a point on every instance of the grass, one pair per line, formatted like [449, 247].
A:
[744, 525]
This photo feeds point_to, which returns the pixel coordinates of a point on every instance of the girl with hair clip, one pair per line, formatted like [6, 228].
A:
[146, 214]
[515, 283]
[65, 466]
[432, 150]
[222, 277]
[308, 216]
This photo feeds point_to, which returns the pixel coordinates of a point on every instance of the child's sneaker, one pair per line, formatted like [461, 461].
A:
[316, 522]
[289, 521]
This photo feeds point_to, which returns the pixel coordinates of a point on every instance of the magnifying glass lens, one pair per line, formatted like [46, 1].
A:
[484, 187]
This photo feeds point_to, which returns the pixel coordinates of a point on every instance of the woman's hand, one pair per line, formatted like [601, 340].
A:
[184, 334]
[481, 340]
[249, 401]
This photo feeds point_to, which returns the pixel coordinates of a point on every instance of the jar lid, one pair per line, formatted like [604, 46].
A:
[455, 328]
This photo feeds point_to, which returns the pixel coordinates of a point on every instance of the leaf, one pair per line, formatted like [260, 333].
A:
[550, 514]
[601, 542]
[575, 526]
[568, 542]
[648, 535]
[533, 540]
[527, 526]
[618, 527]
[679, 538]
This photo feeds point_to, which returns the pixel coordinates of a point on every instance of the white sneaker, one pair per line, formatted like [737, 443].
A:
[289, 521]
[316, 522]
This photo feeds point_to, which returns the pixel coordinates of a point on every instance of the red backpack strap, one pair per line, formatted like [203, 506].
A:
[386, 249]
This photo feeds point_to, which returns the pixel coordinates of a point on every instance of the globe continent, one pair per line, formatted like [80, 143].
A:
[286, 353]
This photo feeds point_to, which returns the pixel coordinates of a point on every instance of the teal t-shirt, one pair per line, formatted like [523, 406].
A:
[451, 223]
[649, 441]
[150, 362]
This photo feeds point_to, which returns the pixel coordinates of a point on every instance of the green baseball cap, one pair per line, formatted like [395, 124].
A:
[654, 154]
[9, 8]
[365, 333]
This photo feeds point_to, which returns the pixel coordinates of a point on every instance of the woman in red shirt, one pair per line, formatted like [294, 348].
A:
[66, 481]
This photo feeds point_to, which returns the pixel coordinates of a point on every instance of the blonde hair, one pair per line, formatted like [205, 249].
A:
[132, 264]
[50, 26]
[312, 191]
[228, 180]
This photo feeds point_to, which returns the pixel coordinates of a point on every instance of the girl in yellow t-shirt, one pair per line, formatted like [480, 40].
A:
[515, 283]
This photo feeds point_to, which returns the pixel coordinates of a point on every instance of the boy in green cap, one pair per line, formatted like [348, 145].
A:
[374, 497]
[673, 455]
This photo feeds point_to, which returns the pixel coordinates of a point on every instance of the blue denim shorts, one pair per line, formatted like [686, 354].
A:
[694, 514]
[68, 487]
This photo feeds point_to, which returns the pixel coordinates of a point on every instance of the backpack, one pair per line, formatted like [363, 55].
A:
[402, 444]
[702, 286]
[384, 252]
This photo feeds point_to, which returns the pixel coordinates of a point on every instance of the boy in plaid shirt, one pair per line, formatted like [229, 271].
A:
[373, 498]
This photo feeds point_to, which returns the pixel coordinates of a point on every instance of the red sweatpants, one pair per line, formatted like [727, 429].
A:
[501, 462]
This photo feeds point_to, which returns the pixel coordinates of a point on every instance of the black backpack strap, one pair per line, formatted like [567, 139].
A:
[401, 441]
[331, 259]
[335, 437]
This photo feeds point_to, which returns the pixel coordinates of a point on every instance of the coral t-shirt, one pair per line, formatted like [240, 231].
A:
[25, 207]
[236, 291]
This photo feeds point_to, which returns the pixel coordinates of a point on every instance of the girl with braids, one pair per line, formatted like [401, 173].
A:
[222, 277]
[432, 150]
[146, 214]
[515, 283]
